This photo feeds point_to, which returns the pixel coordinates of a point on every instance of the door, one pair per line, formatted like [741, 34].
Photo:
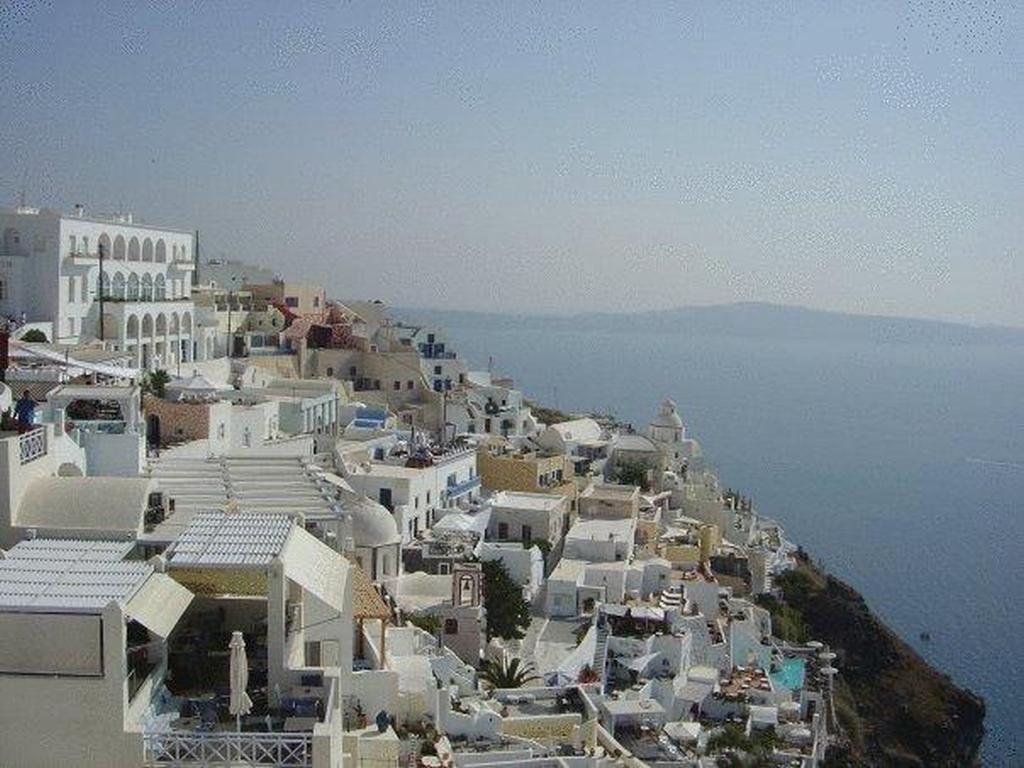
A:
[384, 496]
[153, 431]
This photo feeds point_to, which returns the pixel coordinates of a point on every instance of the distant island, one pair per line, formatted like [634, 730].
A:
[745, 319]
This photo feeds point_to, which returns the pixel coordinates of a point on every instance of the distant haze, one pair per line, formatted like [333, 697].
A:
[540, 158]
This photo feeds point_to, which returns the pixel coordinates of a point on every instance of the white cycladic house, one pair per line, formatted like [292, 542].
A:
[50, 272]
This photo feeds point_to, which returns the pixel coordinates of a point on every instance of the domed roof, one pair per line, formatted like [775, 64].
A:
[668, 416]
[372, 524]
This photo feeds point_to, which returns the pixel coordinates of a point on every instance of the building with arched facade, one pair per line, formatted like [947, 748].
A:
[50, 272]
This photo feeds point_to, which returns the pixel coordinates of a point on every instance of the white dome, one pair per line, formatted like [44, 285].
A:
[372, 525]
[668, 416]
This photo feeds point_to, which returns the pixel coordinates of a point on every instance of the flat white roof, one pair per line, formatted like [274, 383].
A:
[231, 540]
[68, 576]
[633, 706]
[602, 530]
[523, 500]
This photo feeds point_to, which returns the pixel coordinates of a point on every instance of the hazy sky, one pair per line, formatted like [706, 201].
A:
[549, 156]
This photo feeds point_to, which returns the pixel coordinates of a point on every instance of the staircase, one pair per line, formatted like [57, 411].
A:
[601, 653]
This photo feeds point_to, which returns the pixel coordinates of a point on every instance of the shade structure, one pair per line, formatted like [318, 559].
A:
[240, 703]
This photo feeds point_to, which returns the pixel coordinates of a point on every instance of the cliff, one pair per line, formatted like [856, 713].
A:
[895, 708]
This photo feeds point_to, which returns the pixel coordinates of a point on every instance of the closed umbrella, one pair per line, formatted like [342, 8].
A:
[240, 703]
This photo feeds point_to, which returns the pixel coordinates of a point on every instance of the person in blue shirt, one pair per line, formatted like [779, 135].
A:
[25, 412]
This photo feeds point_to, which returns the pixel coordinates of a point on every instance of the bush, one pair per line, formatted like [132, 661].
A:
[34, 336]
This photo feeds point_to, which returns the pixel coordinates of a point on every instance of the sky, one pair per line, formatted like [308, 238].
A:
[546, 157]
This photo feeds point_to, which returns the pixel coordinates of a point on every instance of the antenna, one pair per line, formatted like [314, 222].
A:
[24, 182]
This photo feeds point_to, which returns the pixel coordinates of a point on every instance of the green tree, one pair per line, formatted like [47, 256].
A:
[508, 673]
[155, 383]
[508, 612]
[632, 473]
[34, 335]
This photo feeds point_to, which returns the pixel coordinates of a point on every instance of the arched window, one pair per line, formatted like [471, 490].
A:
[117, 287]
[147, 287]
[161, 251]
[105, 287]
[119, 248]
[147, 250]
[104, 244]
[133, 249]
[159, 288]
[183, 253]
[133, 287]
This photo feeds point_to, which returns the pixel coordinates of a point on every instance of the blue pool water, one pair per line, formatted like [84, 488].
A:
[790, 675]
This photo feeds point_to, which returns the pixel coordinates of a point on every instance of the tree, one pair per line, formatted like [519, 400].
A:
[508, 612]
[507, 673]
[155, 383]
[35, 336]
[632, 473]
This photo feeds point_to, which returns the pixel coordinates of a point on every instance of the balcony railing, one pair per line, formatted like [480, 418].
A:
[460, 488]
[206, 750]
[32, 445]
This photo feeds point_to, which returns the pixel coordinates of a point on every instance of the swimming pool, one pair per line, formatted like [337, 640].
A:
[790, 675]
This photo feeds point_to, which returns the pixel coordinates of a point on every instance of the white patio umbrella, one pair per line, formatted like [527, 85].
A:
[240, 703]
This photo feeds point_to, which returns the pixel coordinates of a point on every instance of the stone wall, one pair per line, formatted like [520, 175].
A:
[179, 422]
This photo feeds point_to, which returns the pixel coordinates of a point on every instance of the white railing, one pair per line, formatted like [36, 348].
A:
[32, 445]
[189, 749]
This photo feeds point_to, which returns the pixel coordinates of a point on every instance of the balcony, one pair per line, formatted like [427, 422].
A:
[459, 489]
[281, 750]
[32, 445]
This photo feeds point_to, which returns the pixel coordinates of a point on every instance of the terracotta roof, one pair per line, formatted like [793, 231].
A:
[366, 601]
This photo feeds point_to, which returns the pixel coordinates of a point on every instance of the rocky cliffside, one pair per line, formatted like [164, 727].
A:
[895, 708]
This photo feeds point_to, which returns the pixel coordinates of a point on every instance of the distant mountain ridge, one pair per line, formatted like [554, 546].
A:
[746, 319]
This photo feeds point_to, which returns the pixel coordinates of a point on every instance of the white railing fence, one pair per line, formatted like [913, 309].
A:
[32, 445]
[218, 750]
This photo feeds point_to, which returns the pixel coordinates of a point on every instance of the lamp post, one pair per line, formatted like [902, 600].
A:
[99, 251]
[231, 295]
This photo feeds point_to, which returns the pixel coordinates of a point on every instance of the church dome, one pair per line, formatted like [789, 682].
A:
[372, 525]
[668, 416]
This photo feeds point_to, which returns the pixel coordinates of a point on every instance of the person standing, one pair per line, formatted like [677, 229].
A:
[25, 412]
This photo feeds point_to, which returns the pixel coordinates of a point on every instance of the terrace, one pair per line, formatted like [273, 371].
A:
[261, 574]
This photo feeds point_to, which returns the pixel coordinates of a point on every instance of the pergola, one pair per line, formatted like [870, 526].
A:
[368, 604]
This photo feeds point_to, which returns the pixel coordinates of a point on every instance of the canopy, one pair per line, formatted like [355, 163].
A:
[158, 604]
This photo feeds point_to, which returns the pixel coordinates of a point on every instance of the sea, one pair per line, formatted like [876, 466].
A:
[899, 465]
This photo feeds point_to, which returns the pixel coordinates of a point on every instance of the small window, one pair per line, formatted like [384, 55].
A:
[428, 497]
[72, 243]
[527, 533]
[396, 385]
[330, 371]
[430, 338]
[291, 301]
[451, 627]
[502, 531]
[416, 502]
[85, 245]
[352, 371]
[409, 384]
[437, 370]
[444, 569]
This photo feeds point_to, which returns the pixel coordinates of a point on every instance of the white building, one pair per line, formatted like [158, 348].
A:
[50, 272]
[417, 492]
[518, 516]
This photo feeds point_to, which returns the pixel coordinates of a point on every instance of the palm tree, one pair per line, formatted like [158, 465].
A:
[510, 672]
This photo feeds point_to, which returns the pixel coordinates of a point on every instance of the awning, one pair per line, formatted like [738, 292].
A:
[317, 568]
[158, 604]
[639, 663]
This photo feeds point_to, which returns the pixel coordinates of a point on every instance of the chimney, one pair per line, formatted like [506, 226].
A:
[79, 210]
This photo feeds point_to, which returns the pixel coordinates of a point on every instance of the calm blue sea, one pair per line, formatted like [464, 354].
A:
[900, 466]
